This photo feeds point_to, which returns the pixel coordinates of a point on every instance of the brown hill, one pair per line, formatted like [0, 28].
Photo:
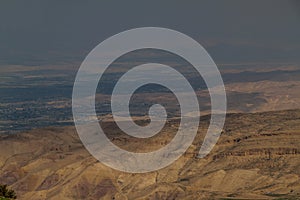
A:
[257, 157]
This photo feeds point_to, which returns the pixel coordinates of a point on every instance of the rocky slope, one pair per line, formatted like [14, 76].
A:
[257, 157]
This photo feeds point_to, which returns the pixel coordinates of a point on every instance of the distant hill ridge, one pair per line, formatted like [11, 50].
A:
[257, 157]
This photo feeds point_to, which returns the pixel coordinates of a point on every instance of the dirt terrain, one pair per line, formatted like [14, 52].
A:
[257, 157]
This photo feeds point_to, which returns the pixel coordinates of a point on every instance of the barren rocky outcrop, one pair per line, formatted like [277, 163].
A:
[257, 157]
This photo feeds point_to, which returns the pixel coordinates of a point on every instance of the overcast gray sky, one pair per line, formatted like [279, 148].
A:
[47, 32]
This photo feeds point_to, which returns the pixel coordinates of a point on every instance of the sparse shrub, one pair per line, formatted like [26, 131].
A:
[6, 193]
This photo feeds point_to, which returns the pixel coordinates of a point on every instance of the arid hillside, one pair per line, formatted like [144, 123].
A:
[257, 157]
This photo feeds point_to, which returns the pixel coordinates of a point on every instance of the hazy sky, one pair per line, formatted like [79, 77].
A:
[46, 32]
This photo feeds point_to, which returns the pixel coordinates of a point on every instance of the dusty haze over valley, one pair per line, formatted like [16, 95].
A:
[256, 48]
